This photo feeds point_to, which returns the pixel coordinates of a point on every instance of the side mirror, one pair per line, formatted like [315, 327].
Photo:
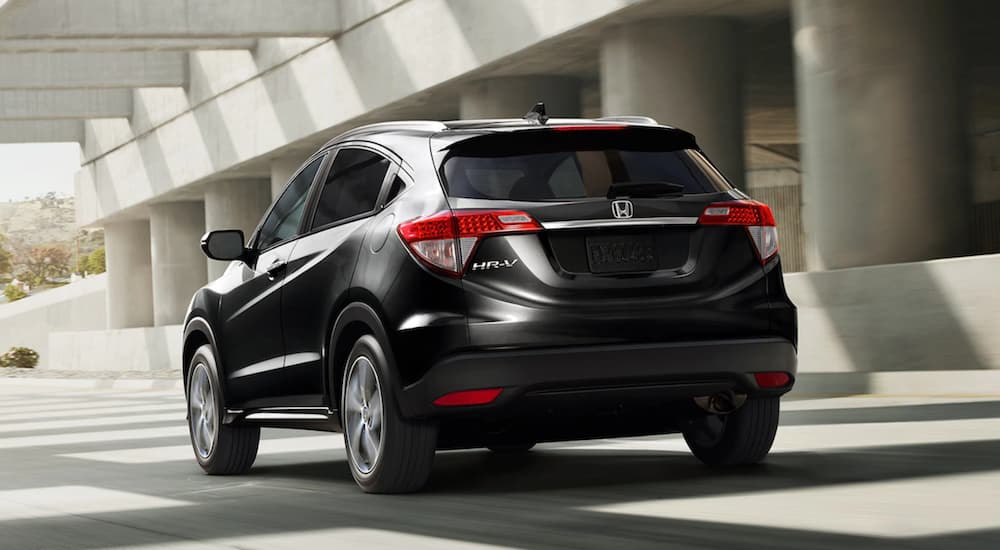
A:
[225, 245]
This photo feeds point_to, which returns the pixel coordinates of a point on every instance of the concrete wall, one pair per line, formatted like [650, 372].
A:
[130, 349]
[28, 322]
[941, 315]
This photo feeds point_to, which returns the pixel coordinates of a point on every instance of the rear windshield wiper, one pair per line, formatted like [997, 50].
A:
[645, 189]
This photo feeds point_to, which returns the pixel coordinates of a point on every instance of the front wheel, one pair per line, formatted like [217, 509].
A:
[221, 449]
[386, 453]
[741, 437]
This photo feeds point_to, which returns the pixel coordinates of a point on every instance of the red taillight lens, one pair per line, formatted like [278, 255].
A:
[755, 216]
[772, 379]
[445, 241]
[468, 397]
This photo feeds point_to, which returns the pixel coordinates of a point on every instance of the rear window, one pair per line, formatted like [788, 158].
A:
[572, 165]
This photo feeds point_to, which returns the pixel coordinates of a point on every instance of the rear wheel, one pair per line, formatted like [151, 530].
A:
[221, 449]
[386, 453]
[741, 437]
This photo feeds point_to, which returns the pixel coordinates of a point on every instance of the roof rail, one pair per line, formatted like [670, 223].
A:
[631, 119]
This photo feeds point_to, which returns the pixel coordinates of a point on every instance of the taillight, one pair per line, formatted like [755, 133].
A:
[445, 241]
[755, 216]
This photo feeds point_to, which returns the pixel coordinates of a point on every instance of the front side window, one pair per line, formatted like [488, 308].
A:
[352, 187]
[282, 222]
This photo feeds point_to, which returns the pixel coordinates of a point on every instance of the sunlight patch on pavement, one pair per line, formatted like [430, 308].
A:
[73, 406]
[369, 539]
[124, 417]
[828, 437]
[894, 509]
[872, 402]
[66, 500]
[92, 437]
[93, 411]
[176, 453]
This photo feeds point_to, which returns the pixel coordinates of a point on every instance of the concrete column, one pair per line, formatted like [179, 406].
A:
[179, 267]
[130, 280]
[880, 100]
[513, 96]
[684, 72]
[281, 171]
[234, 205]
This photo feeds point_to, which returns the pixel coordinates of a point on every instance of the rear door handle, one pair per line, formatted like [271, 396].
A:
[275, 269]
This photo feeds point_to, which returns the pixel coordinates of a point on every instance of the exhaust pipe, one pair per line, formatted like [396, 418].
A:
[721, 403]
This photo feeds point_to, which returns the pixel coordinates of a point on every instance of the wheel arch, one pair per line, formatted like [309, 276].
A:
[354, 320]
[198, 332]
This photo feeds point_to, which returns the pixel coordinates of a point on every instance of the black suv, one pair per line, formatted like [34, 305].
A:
[494, 283]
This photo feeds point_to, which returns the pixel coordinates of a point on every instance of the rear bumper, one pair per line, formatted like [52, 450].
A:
[579, 376]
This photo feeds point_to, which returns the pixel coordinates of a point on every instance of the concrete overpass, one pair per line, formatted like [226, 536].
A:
[871, 127]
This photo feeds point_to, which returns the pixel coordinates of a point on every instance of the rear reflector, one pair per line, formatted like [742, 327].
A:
[468, 397]
[772, 379]
[445, 241]
[755, 216]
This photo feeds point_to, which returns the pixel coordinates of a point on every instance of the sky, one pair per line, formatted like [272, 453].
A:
[34, 169]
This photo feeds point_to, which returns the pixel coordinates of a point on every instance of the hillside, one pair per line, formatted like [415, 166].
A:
[43, 220]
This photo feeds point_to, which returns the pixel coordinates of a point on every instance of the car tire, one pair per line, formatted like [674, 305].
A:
[738, 438]
[511, 448]
[386, 453]
[221, 449]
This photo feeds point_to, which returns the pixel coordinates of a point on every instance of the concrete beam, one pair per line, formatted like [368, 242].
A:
[64, 104]
[365, 73]
[24, 19]
[41, 131]
[90, 70]
[125, 44]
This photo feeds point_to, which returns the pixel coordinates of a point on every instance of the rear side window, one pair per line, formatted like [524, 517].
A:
[563, 167]
[352, 187]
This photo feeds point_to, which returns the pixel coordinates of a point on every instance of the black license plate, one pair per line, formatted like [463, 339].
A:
[621, 253]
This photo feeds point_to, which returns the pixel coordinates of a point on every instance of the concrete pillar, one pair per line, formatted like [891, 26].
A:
[513, 96]
[282, 170]
[880, 103]
[234, 205]
[179, 267]
[684, 72]
[130, 279]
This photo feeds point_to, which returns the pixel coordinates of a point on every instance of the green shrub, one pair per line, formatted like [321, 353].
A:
[96, 262]
[13, 293]
[21, 358]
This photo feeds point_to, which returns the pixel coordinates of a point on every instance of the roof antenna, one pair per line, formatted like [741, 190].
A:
[537, 114]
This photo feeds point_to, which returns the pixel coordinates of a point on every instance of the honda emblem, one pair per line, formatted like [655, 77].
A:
[622, 209]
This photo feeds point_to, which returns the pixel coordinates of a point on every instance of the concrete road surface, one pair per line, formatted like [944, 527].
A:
[90, 468]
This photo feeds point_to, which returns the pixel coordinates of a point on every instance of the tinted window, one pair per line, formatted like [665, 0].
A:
[572, 165]
[352, 186]
[395, 189]
[283, 221]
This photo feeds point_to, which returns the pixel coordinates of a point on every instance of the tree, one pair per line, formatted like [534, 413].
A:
[42, 263]
[96, 262]
[6, 260]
